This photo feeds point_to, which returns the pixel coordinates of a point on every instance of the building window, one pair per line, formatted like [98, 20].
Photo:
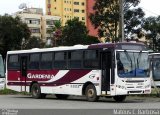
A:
[50, 22]
[83, 18]
[82, 11]
[76, 10]
[82, 3]
[49, 10]
[76, 3]
[35, 30]
[54, 0]
[49, 1]
[33, 21]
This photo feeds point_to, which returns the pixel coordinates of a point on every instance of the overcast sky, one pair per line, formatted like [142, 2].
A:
[151, 7]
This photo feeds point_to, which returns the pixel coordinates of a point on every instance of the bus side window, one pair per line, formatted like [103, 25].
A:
[91, 59]
[75, 59]
[60, 60]
[46, 60]
[34, 60]
[13, 62]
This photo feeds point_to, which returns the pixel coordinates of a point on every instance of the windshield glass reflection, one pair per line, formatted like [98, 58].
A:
[132, 64]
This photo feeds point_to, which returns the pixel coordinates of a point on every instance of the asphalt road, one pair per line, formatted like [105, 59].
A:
[28, 104]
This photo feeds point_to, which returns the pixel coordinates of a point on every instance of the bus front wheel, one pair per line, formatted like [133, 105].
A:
[36, 91]
[91, 93]
[119, 98]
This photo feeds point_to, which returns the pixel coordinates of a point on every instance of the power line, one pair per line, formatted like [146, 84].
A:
[150, 11]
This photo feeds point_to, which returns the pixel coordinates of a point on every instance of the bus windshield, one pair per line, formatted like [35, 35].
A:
[156, 69]
[132, 64]
[1, 68]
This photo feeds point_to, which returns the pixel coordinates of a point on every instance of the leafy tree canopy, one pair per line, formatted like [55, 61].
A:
[74, 32]
[33, 42]
[55, 33]
[106, 17]
[152, 27]
[12, 31]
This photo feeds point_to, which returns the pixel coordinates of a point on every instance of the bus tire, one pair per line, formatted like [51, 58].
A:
[119, 98]
[36, 91]
[61, 96]
[91, 93]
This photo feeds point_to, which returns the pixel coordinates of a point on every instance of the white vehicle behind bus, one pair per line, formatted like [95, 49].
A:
[154, 59]
[2, 74]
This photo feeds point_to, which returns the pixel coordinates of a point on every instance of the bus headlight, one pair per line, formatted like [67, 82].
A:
[122, 87]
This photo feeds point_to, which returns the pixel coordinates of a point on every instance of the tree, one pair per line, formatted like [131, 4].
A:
[33, 42]
[152, 27]
[55, 32]
[74, 32]
[91, 40]
[106, 17]
[12, 31]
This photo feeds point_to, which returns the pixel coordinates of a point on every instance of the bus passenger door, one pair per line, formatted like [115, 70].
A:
[23, 72]
[106, 70]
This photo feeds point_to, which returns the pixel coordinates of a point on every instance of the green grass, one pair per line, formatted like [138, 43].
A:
[8, 92]
[11, 92]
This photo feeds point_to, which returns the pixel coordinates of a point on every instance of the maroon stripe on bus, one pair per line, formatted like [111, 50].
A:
[70, 77]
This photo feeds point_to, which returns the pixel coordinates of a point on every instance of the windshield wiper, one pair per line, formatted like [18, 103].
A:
[138, 58]
[129, 58]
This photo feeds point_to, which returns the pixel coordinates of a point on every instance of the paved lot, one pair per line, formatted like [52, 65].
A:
[27, 102]
[26, 105]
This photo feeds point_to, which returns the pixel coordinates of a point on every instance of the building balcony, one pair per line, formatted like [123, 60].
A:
[49, 13]
[49, 5]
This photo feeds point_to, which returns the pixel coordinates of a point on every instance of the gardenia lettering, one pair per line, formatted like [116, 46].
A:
[40, 76]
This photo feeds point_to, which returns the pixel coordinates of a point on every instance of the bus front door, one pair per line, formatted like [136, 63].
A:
[23, 73]
[106, 70]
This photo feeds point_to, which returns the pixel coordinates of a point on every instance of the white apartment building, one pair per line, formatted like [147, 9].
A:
[37, 22]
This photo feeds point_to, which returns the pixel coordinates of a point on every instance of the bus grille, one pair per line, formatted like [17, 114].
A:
[134, 92]
[134, 81]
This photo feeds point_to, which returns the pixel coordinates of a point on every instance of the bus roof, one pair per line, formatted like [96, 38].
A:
[121, 45]
[60, 48]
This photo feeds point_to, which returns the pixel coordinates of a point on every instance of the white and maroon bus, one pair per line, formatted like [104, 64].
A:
[111, 69]
[155, 67]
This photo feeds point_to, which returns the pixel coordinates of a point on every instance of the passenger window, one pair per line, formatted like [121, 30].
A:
[13, 62]
[91, 59]
[46, 61]
[34, 61]
[60, 60]
[75, 59]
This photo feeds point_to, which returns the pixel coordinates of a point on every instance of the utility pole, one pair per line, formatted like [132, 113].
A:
[121, 21]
